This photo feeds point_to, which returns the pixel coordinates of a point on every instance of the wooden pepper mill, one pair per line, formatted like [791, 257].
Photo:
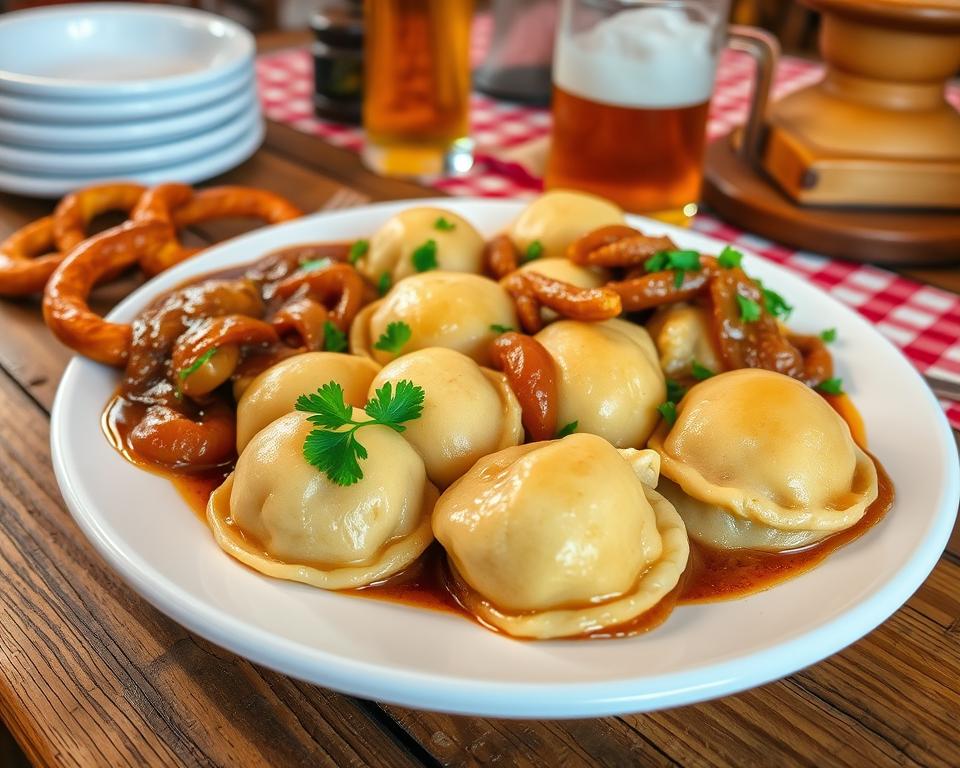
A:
[866, 162]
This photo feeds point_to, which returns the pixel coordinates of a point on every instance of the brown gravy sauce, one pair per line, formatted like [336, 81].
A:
[710, 574]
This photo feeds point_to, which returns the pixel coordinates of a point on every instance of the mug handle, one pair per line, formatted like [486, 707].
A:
[765, 50]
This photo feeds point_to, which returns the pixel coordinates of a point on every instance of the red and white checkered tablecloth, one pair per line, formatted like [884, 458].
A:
[923, 321]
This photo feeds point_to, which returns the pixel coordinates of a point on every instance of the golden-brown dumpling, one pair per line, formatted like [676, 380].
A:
[561, 538]
[557, 218]
[459, 247]
[283, 517]
[682, 335]
[768, 450]
[442, 309]
[274, 392]
[468, 411]
[608, 379]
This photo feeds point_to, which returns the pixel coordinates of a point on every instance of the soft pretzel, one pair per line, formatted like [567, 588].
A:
[533, 290]
[339, 284]
[29, 256]
[65, 308]
[180, 206]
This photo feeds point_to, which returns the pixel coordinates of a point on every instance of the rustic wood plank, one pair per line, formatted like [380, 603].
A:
[92, 675]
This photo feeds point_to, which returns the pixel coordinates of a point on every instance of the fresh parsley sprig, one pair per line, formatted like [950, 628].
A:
[394, 338]
[333, 447]
[424, 256]
[829, 336]
[680, 262]
[497, 328]
[358, 250]
[831, 386]
[669, 412]
[443, 224]
[534, 251]
[197, 364]
[311, 265]
[675, 391]
[729, 258]
[384, 283]
[334, 340]
[567, 429]
[700, 372]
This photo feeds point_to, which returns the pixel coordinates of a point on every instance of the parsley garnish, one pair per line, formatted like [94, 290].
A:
[679, 261]
[534, 251]
[774, 303]
[358, 250]
[335, 451]
[497, 328]
[424, 256]
[384, 283]
[444, 225]
[669, 412]
[829, 335]
[334, 340]
[675, 391]
[393, 339]
[749, 309]
[700, 372]
[197, 364]
[831, 386]
[729, 258]
[568, 429]
[313, 264]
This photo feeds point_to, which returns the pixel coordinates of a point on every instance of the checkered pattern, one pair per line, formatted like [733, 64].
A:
[923, 321]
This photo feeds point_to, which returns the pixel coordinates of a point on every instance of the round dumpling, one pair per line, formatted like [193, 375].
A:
[764, 449]
[285, 518]
[457, 246]
[608, 379]
[568, 272]
[274, 392]
[561, 538]
[557, 218]
[441, 309]
[682, 335]
[468, 411]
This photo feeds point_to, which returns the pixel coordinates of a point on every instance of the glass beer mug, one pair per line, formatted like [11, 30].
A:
[417, 86]
[632, 81]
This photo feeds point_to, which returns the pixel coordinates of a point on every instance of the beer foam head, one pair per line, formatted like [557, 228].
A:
[641, 57]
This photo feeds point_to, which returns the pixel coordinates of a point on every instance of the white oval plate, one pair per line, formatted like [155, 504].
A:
[121, 162]
[139, 133]
[434, 660]
[114, 50]
[191, 171]
[135, 107]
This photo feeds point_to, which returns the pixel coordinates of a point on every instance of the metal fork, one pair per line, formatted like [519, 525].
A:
[345, 197]
[949, 389]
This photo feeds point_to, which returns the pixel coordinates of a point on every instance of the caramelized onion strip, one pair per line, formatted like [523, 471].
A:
[531, 375]
[339, 287]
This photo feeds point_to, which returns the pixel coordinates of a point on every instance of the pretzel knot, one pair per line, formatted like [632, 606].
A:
[65, 308]
[531, 291]
[339, 287]
[179, 206]
[29, 256]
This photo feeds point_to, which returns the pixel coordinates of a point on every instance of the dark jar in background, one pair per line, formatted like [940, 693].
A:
[338, 61]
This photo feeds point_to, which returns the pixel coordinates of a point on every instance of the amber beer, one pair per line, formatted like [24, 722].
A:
[417, 85]
[630, 100]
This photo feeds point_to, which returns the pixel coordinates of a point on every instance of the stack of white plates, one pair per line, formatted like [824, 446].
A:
[91, 93]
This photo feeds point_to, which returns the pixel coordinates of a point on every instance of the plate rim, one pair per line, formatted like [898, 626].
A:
[46, 87]
[555, 700]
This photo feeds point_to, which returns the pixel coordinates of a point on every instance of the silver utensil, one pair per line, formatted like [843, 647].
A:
[948, 389]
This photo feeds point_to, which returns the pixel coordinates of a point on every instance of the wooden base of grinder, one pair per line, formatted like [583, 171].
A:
[751, 201]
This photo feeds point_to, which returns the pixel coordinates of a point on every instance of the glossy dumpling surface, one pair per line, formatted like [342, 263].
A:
[457, 245]
[768, 449]
[468, 411]
[682, 335]
[557, 218]
[283, 517]
[561, 538]
[608, 379]
[442, 309]
[274, 392]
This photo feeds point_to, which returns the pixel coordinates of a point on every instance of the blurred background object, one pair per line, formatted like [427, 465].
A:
[338, 60]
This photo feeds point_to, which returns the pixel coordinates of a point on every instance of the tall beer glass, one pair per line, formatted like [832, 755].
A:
[417, 86]
[632, 84]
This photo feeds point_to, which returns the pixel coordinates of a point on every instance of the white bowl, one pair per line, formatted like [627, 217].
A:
[122, 162]
[140, 133]
[133, 107]
[436, 660]
[190, 172]
[113, 50]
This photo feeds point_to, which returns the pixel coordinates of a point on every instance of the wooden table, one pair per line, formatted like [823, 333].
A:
[90, 674]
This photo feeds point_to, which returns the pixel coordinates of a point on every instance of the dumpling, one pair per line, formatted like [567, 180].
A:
[274, 392]
[468, 411]
[458, 246]
[557, 218]
[283, 517]
[767, 462]
[442, 309]
[568, 272]
[561, 538]
[608, 379]
[682, 335]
